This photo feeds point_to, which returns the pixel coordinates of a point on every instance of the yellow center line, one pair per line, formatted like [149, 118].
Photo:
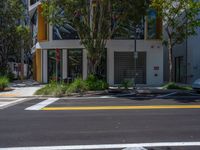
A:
[124, 107]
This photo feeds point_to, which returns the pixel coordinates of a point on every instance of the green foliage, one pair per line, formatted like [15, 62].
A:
[126, 84]
[180, 21]
[94, 84]
[78, 86]
[53, 88]
[4, 81]
[11, 34]
[96, 30]
[173, 85]
[11, 76]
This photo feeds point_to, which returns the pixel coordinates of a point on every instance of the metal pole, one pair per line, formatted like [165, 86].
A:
[186, 45]
[22, 60]
[135, 59]
[56, 66]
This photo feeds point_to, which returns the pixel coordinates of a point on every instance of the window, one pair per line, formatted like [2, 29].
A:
[54, 69]
[64, 32]
[75, 59]
[151, 24]
[126, 30]
[33, 2]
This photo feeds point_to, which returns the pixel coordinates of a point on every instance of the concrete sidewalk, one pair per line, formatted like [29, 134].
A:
[25, 88]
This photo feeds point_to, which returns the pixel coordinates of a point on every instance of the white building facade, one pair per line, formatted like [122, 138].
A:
[119, 57]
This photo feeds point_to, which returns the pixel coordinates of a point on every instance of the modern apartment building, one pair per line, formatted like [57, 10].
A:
[119, 62]
[186, 60]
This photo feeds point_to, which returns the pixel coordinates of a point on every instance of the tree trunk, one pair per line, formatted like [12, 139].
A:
[92, 66]
[170, 61]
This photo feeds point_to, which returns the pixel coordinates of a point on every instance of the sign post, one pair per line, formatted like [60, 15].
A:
[135, 59]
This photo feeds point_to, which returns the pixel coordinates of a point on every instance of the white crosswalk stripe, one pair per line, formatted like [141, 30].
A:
[42, 104]
[7, 102]
[139, 146]
[135, 148]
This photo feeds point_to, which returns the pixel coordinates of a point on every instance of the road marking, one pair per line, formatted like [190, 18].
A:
[166, 95]
[194, 94]
[11, 103]
[94, 97]
[123, 107]
[107, 146]
[42, 104]
[135, 148]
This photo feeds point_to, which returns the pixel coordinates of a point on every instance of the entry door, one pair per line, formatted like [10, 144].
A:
[124, 67]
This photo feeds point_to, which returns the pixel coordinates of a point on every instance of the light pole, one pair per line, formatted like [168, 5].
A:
[135, 58]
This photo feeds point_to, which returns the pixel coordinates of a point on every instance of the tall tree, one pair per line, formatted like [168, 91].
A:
[181, 20]
[92, 20]
[11, 13]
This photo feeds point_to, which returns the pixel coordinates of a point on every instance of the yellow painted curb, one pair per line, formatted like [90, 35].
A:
[124, 107]
[9, 95]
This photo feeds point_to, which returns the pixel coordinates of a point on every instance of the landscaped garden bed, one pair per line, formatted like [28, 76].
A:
[77, 87]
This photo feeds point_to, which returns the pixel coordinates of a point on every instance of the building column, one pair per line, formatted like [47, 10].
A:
[64, 65]
[85, 63]
[110, 67]
[45, 66]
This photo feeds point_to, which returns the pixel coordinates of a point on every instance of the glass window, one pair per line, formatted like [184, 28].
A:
[33, 2]
[75, 59]
[151, 24]
[66, 31]
[126, 30]
[54, 69]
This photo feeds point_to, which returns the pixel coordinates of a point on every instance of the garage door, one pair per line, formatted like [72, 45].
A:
[124, 67]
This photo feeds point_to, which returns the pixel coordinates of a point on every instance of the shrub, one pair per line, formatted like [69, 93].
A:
[93, 83]
[4, 81]
[173, 85]
[53, 88]
[126, 84]
[11, 76]
[78, 86]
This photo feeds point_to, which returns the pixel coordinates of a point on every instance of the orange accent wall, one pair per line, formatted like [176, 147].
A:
[37, 69]
[42, 26]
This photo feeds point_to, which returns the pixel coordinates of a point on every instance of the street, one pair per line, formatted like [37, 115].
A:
[101, 121]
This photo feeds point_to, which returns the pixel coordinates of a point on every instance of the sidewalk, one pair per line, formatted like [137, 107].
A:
[25, 88]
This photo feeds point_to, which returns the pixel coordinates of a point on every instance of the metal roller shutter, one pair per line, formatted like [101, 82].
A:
[124, 67]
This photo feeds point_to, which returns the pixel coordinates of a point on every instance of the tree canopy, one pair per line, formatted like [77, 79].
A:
[11, 31]
[180, 19]
[95, 21]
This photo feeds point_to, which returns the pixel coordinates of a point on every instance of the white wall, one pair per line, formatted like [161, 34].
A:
[154, 50]
[194, 57]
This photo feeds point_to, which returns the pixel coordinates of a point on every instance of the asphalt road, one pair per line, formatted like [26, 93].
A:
[22, 128]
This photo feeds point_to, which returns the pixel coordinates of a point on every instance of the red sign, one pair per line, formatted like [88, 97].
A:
[57, 55]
